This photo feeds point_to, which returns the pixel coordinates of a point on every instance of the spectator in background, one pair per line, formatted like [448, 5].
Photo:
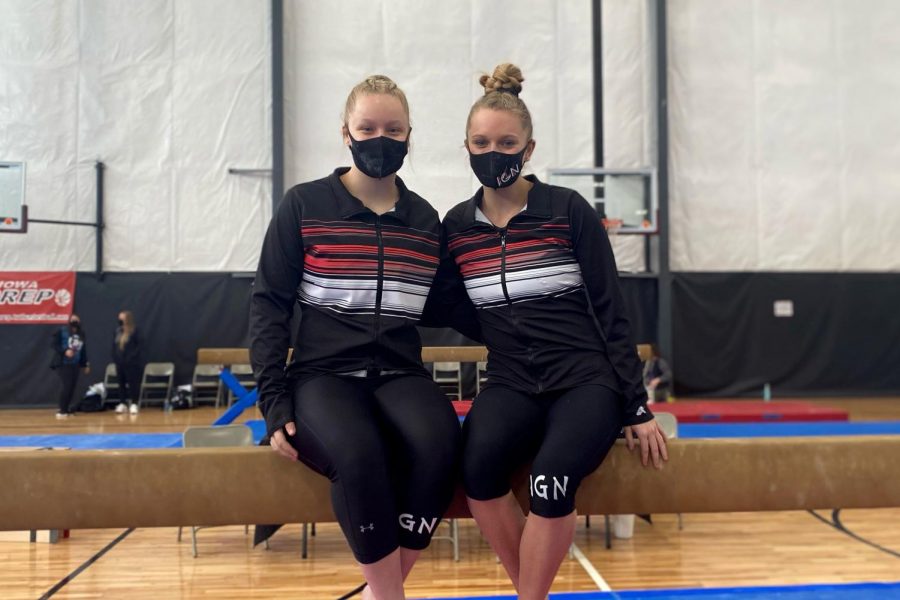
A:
[69, 356]
[657, 376]
[127, 356]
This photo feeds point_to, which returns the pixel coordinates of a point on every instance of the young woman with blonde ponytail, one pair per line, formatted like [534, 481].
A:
[126, 353]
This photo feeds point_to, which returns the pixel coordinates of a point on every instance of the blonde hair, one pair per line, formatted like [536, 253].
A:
[127, 328]
[374, 84]
[501, 92]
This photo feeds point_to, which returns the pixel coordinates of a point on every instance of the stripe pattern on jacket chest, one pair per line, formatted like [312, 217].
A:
[343, 261]
[529, 260]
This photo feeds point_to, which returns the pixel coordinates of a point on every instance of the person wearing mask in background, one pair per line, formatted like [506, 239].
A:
[657, 376]
[356, 253]
[563, 375]
[126, 353]
[69, 357]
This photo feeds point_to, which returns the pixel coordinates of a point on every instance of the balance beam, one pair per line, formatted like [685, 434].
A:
[52, 489]
[240, 356]
[237, 356]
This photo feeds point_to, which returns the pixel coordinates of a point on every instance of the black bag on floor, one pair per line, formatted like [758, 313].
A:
[93, 399]
[181, 399]
[91, 403]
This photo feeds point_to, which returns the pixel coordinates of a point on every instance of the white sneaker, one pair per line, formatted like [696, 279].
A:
[120, 407]
[133, 409]
[60, 415]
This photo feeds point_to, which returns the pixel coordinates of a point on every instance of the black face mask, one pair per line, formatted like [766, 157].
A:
[121, 323]
[496, 169]
[378, 157]
[75, 325]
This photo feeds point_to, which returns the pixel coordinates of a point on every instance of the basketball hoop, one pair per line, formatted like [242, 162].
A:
[612, 226]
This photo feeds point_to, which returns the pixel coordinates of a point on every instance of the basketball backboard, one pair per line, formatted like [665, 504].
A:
[13, 212]
[624, 196]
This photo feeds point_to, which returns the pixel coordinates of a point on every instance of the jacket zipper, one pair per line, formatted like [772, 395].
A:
[512, 312]
[503, 268]
[379, 290]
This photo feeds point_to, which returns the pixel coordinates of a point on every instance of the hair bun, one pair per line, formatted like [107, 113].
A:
[507, 78]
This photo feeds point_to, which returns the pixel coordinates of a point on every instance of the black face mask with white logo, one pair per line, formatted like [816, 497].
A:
[496, 169]
[378, 157]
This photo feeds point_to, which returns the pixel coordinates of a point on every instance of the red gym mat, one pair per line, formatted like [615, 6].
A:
[743, 411]
[462, 407]
[730, 411]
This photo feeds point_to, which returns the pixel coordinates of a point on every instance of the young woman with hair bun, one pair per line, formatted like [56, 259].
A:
[563, 375]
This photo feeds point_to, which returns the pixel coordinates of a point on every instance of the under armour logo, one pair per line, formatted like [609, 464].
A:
[641, 411]
[363, 528]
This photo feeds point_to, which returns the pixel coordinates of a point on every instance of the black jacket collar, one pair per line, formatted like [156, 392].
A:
[539, 206]
[351, 206]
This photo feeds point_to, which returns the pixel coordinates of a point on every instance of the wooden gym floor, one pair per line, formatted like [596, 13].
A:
[713, 550]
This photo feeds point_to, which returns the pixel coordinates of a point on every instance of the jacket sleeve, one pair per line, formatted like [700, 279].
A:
[601, 279]
[133, 348]
[448, 303]
[271, 307]
[56, 345]
[83, 361]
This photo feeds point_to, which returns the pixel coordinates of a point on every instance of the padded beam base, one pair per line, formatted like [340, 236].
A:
[63, 489]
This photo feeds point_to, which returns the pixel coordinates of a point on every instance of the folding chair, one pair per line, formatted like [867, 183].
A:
[111, 384]
[205, 384]
[244, 374]
[448, 375]
[158, 377]
[215, 437]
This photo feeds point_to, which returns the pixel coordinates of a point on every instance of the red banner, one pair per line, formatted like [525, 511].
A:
[36, 298]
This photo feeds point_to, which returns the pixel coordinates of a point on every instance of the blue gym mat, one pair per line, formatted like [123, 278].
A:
[95, 441]
[787, 429]
[850, 591]
[112, 441]
[120, 441]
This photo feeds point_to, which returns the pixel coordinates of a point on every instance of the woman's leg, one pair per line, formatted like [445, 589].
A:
[133, 375]
[581, 426]
[68, 375]
[122, 377]
[502, 523]
[500, 433]
[338, 435]
[424, 441]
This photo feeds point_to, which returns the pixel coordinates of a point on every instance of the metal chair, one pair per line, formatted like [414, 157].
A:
[205, 384]
[480, 375]
[215, 437]
[448, 375]
[244, 374]
[111, 383]
[452, 536]
[157, 377]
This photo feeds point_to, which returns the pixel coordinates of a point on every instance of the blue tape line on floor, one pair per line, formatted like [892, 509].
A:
[850, 591]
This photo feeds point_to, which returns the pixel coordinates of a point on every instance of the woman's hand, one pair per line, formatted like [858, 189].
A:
[280, 443]
[652, 441]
